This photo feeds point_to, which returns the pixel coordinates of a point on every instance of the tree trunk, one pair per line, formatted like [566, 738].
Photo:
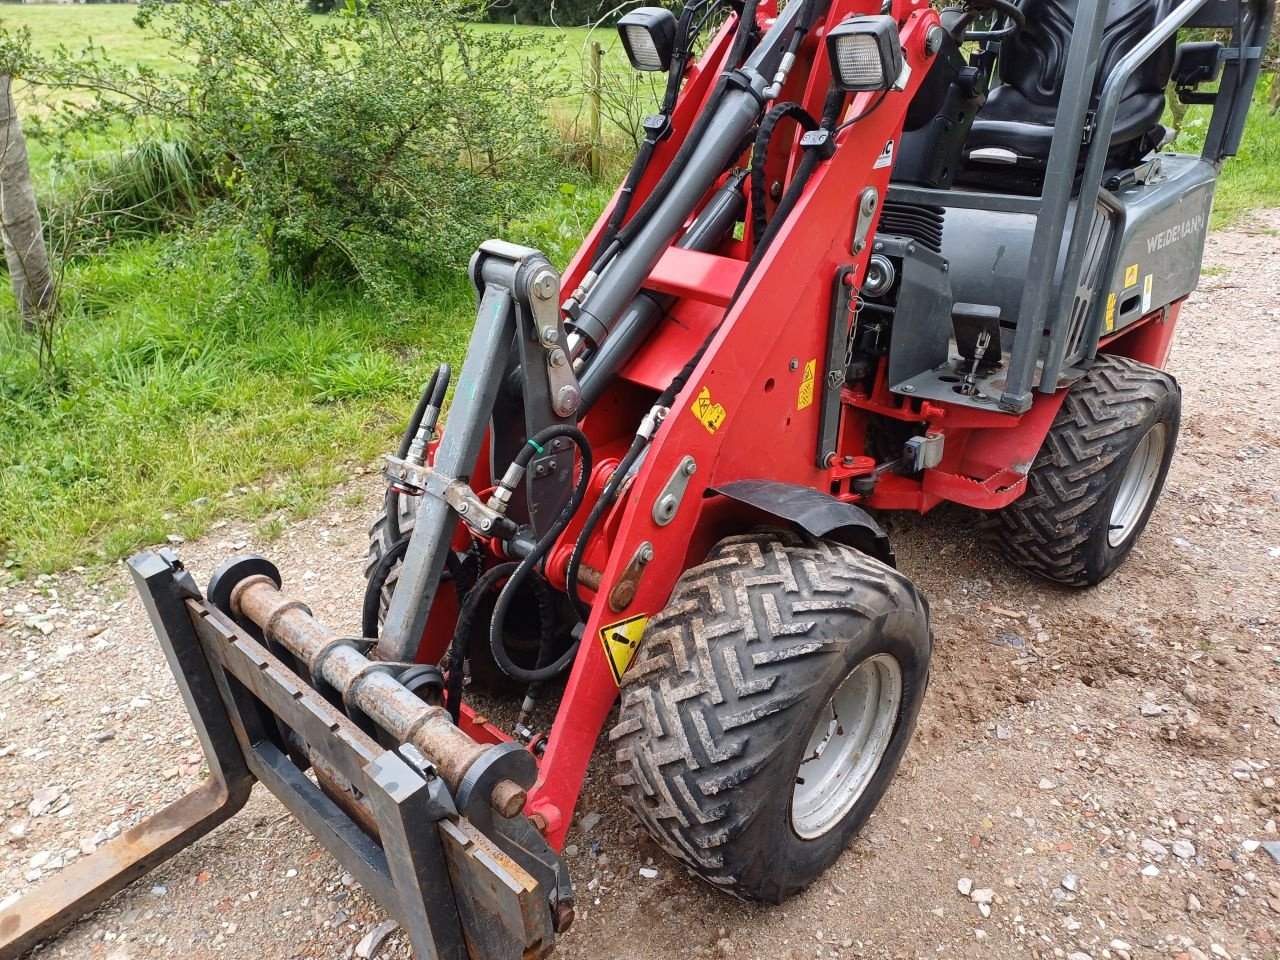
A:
[1275, 88]
[24, 249]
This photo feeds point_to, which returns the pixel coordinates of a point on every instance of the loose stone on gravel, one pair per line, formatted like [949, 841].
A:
[1070, 883]
[44, 799]
[1184, 849]
[965, 886]
[371, 941]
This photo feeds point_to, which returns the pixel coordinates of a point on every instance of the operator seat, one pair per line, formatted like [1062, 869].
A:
[1008, 145]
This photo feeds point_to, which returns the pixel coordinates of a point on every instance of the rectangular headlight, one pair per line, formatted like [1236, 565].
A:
[865, 53]
[649, 37]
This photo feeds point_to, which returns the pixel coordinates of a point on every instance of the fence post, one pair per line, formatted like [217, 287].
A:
[597, 55]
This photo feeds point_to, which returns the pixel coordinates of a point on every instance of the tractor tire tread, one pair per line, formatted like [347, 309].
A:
[705, 705]
[1039, 531]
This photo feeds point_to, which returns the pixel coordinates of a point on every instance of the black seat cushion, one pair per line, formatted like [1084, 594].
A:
[1019, 115]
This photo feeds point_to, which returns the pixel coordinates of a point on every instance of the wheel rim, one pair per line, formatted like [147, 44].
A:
[846, 746]
[1138, 485]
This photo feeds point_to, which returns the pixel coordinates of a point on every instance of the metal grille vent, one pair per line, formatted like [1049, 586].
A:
[921, 222]
[1089, 289]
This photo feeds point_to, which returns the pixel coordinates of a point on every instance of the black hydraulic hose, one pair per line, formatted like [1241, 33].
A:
[536, 555]
[546, 634]
[432, 396]
[415, 421]
[686, 34]
[371, 608]
[607, 498]
[458, 650]
[760, 155]
[741, 39]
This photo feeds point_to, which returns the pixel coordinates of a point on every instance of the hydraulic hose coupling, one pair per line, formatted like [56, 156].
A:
[652, 421]
[418, 449]
[501, 495]
[784, 68]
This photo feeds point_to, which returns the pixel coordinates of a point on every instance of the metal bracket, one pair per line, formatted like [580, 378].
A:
[923, 453]
[544, 297]
[843, 300]
[473, 511]
[624, 590]
[668, 502]
[868, 203]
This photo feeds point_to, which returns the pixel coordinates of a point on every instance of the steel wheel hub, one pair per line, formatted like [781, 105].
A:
[1137, 485]
[846, 746]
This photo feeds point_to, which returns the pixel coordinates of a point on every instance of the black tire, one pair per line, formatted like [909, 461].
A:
[394, 520]
[729, 682]
[1062, 527]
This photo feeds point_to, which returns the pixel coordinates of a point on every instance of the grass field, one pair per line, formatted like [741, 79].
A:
[191, 390]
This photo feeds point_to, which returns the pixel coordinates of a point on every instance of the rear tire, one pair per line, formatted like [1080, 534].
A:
[731, 693]
[394, 520]
[1097, 477]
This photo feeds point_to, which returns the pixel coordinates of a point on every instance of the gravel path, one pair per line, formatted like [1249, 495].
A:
[1094, 774]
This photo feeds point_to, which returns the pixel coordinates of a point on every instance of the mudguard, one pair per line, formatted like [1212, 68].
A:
[817, 513]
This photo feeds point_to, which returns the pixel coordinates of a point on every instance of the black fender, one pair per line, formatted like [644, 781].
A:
[818, 514]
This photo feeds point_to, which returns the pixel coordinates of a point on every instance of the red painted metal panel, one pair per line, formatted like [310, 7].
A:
[699, 276]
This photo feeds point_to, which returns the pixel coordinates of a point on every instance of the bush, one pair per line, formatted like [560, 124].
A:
[376, 143]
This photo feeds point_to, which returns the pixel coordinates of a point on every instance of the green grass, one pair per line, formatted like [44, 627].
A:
[182, 383]
[111, 26]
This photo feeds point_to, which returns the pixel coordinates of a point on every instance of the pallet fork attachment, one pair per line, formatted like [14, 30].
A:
[481, 885]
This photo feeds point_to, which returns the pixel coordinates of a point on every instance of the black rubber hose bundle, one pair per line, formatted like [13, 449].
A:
[458, 646]
[527, 566]
[372, 607]
[760, 155]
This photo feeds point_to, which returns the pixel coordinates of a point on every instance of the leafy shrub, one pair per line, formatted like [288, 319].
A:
[376, 143]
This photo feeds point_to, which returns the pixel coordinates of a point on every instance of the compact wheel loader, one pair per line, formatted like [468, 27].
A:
[870, 256]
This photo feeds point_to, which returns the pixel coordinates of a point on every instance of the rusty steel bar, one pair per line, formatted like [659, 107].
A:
[369, 687]
[589, 577]
[90, 882]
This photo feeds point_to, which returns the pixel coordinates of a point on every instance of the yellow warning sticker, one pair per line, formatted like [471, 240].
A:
[1111, 313]
[805, 397]
[1146, 293]
[1130, 276]
[620, 641]
[709, 414]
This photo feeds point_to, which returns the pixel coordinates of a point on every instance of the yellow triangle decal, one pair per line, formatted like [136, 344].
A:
[621, 640]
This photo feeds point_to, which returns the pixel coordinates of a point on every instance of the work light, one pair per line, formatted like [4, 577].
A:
[865, 53]
[649, 37]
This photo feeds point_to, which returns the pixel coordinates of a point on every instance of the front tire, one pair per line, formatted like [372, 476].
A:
[774, 654]
[1097, 477]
